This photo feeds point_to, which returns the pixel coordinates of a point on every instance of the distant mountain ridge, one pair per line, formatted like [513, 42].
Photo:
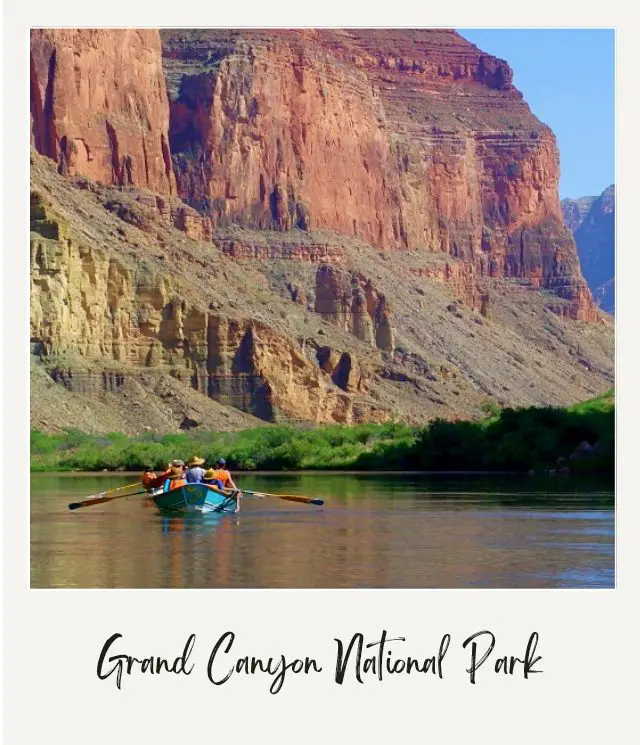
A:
[575, 210]
[592, 222]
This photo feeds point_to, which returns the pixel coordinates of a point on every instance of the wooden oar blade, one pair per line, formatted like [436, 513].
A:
[292, 498]
[287, 497]
[89, 502]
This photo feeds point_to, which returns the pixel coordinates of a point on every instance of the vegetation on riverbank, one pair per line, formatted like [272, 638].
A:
[582, 437]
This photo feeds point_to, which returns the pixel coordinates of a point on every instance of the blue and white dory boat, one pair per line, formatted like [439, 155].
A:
[193, 498]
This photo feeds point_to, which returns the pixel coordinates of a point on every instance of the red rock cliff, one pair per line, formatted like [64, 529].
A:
[99, 105]
[406, 139]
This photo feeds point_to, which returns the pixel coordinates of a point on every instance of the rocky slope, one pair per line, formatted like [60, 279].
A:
[310, 226]
[592, 220]
[137, 322]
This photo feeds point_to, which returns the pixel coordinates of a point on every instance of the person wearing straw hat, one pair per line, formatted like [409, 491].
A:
[210, 479]
[175, 478]
[195, 472]
[174, 470]
[220, 479]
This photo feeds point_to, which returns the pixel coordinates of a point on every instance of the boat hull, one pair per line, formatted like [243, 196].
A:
[193, 498]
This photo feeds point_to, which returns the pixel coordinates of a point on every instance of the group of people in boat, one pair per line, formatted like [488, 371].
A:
[178, 473]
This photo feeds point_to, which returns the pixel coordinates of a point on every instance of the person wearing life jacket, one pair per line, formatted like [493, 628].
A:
[175, 478]
[220, 478]
[210, 479]
[151, 480]
[222, 475]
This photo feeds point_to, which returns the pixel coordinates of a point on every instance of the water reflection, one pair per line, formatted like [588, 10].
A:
[374, 531]
[194, 523]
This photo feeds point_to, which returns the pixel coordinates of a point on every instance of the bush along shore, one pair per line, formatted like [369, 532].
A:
[579, 439]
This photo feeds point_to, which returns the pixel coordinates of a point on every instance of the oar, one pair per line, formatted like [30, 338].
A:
[102, 500]
[111, 491]
[287, 497]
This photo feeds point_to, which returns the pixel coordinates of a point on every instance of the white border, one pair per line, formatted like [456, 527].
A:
[52, 638]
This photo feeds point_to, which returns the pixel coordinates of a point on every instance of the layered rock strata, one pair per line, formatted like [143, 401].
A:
[352, 302]
[94, 305]
[262, 249]
[137, 322]
[404, 139]
[316, 179]
[459, 276]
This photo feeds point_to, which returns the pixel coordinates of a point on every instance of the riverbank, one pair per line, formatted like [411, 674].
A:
[578, 439]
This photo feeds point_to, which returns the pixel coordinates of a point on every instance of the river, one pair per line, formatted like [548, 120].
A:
[374, 531]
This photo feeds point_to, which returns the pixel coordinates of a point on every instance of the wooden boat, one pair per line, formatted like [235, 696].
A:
[193, 498]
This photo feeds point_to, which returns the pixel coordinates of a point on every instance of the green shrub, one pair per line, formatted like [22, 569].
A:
[508, 439]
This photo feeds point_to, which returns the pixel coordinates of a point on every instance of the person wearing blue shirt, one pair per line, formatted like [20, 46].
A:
[195, 472]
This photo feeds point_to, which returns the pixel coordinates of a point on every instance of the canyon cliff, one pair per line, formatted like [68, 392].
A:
[99, 105]
[592, 221]
[575, 210]
[404, 139]
[246, 226]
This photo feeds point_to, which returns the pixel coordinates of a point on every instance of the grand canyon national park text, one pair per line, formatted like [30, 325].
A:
[356, 658]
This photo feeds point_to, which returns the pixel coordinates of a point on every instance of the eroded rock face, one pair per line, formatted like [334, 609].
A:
[99, 105]
[351, 302]
[404, 139]
[261, 248]
[141, 211]
[139, 323]
[87, 303]
[459, 276]
[311, 146]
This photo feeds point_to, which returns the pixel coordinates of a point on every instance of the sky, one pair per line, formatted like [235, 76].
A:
[567, 77]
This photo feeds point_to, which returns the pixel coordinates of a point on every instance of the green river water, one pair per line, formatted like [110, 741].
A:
[374, 531]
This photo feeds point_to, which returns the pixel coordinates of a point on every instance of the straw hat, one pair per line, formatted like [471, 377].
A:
[177, 463]
[210, 474]
[195, 461]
